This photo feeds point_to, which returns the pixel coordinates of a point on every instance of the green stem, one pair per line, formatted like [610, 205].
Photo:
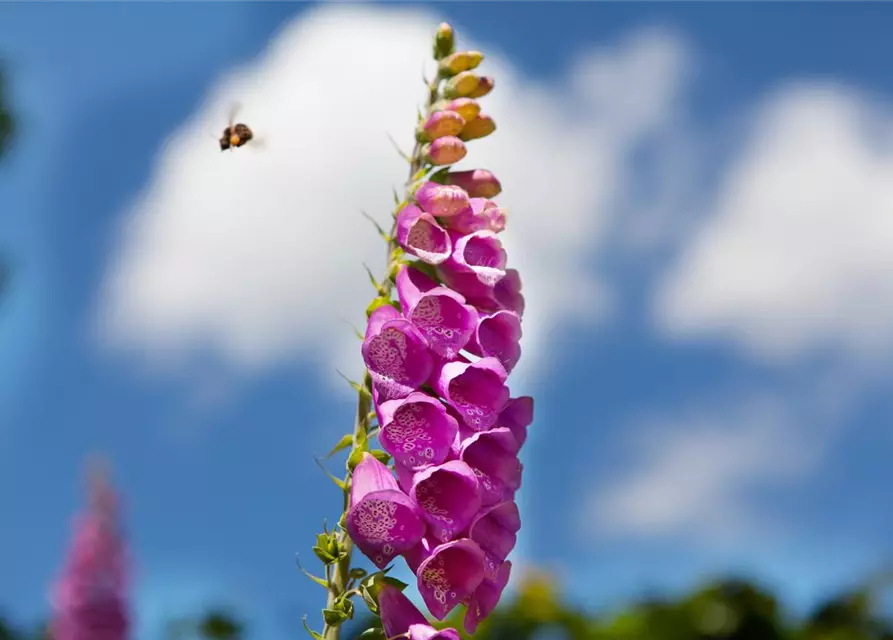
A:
[341, 575]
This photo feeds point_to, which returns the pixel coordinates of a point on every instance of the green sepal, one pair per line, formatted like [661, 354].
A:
[355, 458]
[382, 456]
[328, 548]
[333, 617]
[357, 573]
[342, 610]
[439, 176]
[371, 587]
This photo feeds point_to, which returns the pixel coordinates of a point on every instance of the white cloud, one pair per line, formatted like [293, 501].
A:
[254, 256]
[796, 256]
[693, 473]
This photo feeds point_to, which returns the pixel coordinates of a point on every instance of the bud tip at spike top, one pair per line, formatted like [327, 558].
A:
[444, 41]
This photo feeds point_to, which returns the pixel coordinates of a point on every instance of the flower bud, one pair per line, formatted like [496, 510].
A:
[465, 107]
[480, 127]
[484, 86]
[460, 61]
[479, 183]
[461, 85]
[444, 41]
[440, 124]
[446, 150]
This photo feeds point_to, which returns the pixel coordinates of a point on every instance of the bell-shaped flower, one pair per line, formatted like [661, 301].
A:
[498, 335]
[395, 353]
[449, 497]
[419, 234]
[495, 530]
[493, 455]
[508, 292]
[481, 214]
[475, 389]
[439, 312]
[400, 617]
[417, 431]
[382, 520]
[517, 416]
[447, 574]
[479, 253]
[486, 597]
[442, 200]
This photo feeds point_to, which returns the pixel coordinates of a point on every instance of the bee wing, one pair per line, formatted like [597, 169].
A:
[259, 142]
[234, 110]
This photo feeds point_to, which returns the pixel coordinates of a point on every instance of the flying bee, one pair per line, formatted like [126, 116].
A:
[235, 135]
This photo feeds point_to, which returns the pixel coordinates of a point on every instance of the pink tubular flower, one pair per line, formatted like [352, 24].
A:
[90, 600]
[419, 234]
[382, 520]
[399, 617]
[439, 357]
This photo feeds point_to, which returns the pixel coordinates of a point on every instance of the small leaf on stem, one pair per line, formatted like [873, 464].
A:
[345, 441]
[377, 226]
[341, 484]
[315, 579]
[402, 153]
[313, 634]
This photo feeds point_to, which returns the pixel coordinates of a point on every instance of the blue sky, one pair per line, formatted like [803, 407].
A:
[699, 201]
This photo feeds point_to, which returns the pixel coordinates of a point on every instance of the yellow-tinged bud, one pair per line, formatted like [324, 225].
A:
[460, 61]
[461, 85]
[440, 124]
[444, 41]
[480, 127]
[465, 107]
[484, 86]
[446, 150]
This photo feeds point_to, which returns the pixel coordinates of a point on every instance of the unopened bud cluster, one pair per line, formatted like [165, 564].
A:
[439, 358]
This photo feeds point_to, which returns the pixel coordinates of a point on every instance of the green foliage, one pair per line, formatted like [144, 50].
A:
[729, 609]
